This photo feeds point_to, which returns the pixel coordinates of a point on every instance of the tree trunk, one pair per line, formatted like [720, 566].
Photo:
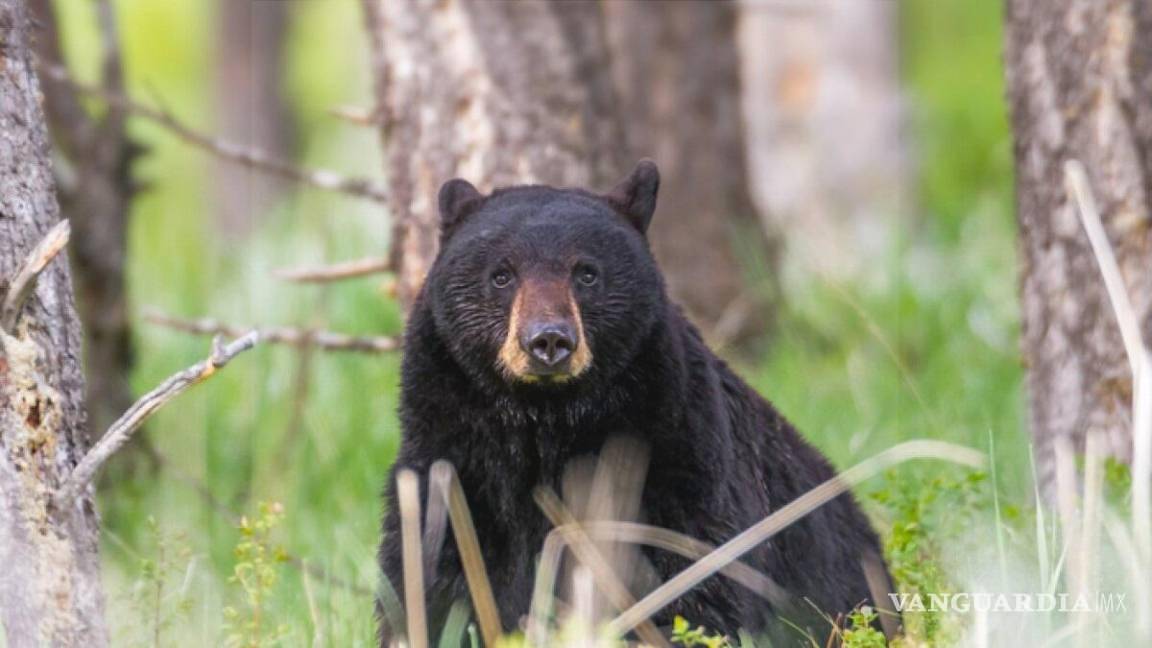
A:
[50, 592]
[677, 75]
[511, 92]
[250, 108]
[458, 97]
[97, 199]
[1079, 78]
[825, 119]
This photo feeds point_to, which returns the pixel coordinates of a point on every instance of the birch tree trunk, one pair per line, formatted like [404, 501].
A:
[491, 91]
[50, 591]
[677, 75]
[1079, 78]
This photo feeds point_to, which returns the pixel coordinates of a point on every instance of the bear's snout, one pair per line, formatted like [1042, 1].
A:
[550, 343]
[545, 333]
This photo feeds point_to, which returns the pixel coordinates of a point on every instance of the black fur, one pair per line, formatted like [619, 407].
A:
[721, 457]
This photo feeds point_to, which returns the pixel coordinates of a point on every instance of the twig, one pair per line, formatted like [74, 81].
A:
[25, 279]
[250, 156]
[336, 271]
[279, 335]
[781, 519]
[479, 587]
[356, 116]
[120, 431]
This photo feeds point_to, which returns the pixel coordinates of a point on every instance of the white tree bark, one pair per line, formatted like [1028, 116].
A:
[50, 590]
[825, 116]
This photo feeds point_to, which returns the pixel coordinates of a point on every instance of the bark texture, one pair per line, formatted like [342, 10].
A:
[571, 93]
[677, 74]
[1080, 85]
[250, 108]
[458, 98]
[50, 592]
[95, 193]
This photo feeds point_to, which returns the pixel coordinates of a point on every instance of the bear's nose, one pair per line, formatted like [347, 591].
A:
[550, 343]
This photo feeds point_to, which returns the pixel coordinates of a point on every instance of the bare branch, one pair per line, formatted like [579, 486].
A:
[336, 271]
[279, 335]
[25, 280]
[122, 429]
[356, 116]
[253, 157]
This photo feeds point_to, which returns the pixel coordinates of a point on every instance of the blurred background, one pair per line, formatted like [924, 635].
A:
[836, 214]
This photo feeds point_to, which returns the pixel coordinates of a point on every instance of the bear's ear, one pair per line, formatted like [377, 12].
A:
[635, 196]
[457, 199]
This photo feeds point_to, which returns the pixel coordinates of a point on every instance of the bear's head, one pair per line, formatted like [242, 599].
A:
[537, 286]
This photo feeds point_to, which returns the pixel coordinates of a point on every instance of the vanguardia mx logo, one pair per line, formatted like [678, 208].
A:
[1104, 602]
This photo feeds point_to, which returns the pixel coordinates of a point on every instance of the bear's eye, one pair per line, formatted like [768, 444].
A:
[587, 275]
[501, 278]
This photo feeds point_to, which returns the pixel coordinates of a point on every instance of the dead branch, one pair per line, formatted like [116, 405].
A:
[122, 429]
[295, 337]
[25, 280]
[336, 271]
[253, 157]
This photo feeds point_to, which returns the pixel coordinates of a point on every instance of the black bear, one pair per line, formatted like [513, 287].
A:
[542, 331]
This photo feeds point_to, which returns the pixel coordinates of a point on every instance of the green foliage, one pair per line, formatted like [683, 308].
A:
[684, 634]
[257, 571]
[860, 632]
[924, 515]
[930, 353]
[159, 597]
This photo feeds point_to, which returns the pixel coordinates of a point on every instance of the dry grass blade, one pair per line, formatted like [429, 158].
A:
[588, 555]
[408, 491]
[686, 546]
[793, 511]
[636, 533]
[1139, 356]
[1077, 179]
[25, 278]
[435, 519]
[479, 587]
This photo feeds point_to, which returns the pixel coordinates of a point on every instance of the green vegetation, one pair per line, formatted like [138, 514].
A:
[930, 353]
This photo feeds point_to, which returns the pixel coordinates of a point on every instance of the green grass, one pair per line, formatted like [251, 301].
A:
[929, 352]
